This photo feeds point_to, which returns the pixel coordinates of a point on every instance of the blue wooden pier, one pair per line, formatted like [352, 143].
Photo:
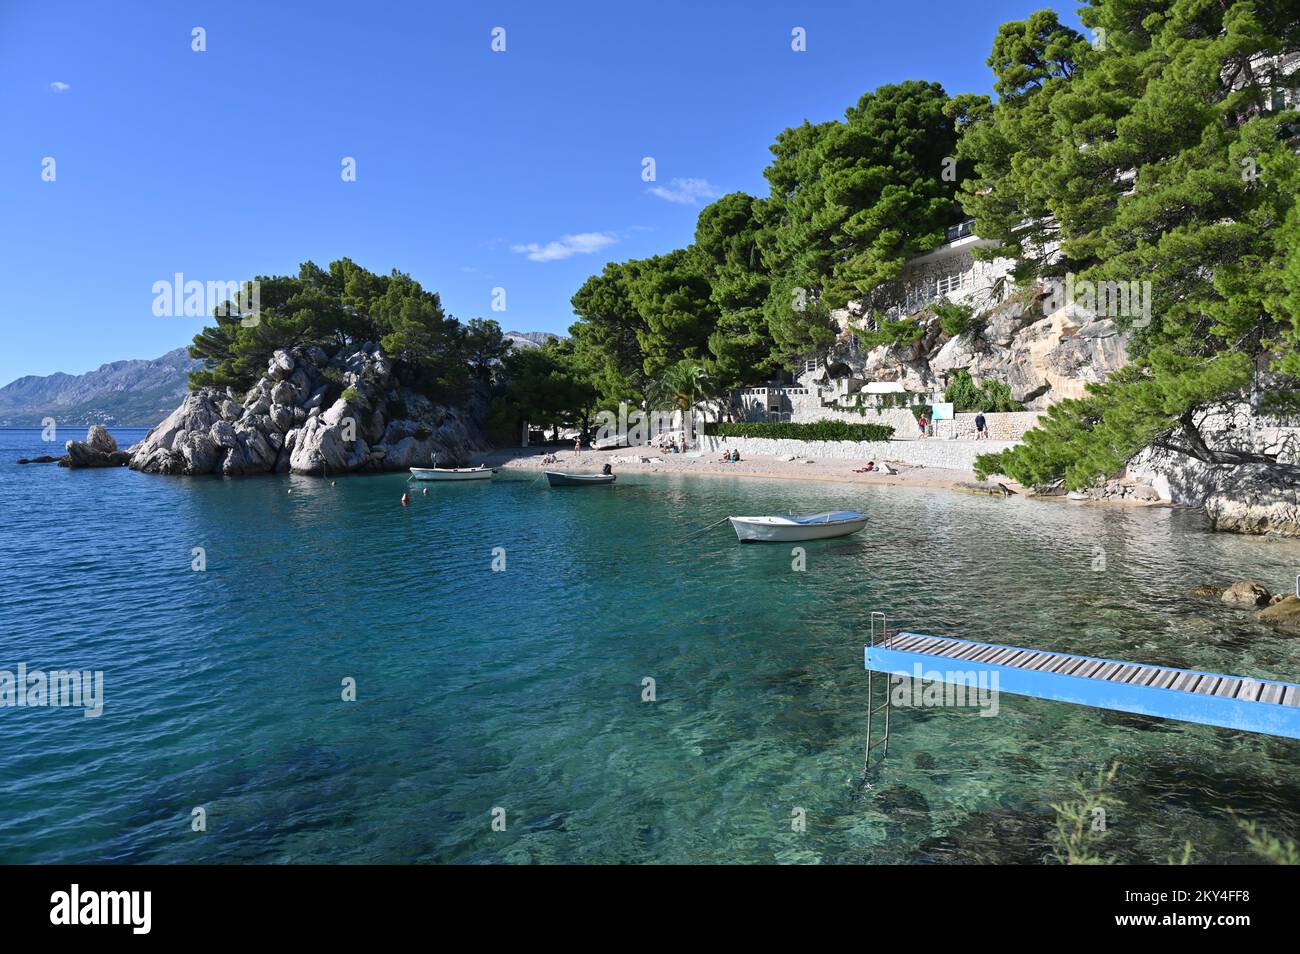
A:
[1231, 702]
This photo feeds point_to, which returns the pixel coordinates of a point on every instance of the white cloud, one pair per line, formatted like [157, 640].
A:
[59, 86]
[686, 191]
[566, 246]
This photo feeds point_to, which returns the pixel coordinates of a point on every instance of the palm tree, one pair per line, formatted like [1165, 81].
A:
[683, 383]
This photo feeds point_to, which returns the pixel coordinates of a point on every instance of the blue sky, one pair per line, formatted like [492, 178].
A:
[474, 169]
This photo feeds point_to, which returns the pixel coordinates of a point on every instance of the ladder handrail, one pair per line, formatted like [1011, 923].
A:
[871, 706]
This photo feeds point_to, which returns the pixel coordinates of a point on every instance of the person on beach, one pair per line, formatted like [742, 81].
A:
[607, 470]
[735, 457]
[981, 426]
[922, 423]
[577, 445]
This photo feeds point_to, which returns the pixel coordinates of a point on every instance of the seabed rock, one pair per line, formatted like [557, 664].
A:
[1246, 593]
[991, 489]
[1283, 615]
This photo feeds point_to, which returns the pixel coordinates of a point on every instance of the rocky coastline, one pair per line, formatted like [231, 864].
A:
[1042, 358]
[319, 413]
[99, 449]
[313, 413]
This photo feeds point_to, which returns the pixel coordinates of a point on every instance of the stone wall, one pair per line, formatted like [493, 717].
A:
[957, 455]
[804, 406]
[1002, 425]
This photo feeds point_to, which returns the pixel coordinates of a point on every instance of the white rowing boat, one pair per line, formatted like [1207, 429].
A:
[780, 529]
[452, 473]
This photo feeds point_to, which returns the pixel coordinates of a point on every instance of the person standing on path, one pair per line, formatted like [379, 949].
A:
[981, 426]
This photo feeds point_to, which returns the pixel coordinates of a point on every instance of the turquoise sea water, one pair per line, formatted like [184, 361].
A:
[522, 689]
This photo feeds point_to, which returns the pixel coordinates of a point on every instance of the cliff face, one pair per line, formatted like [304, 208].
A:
[1259, 498]
[283, 424]
[1044, 358]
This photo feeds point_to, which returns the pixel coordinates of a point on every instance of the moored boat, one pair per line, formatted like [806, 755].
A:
[559, 479]
[452, 473]
[791, 527]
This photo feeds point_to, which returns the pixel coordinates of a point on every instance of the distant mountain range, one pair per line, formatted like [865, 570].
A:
[124, 393]
[529, 339]
[127, 393]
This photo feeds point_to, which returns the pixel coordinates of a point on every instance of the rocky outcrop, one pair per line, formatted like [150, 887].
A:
[99, 449]
[1254, 498]
[1043, 358]
[311, 413]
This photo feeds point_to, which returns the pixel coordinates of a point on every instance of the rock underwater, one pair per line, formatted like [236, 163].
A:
[283, 425]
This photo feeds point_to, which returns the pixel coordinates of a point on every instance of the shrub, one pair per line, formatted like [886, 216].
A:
[818, 431]
[898, 333]
[356, 399]
[965, 394]
[956, 320]
[999, 397]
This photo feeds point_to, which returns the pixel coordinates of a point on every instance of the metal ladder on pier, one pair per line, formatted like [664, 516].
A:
[886, 638]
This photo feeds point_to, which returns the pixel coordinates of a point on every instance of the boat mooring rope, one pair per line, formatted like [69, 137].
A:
[706, 529]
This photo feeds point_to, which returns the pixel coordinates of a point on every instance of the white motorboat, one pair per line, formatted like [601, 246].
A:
[781, 529]
[452, 473]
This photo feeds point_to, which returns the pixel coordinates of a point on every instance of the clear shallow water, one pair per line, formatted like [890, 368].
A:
[521, 689]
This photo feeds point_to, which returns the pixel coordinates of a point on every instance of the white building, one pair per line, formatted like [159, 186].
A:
[948, 273]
